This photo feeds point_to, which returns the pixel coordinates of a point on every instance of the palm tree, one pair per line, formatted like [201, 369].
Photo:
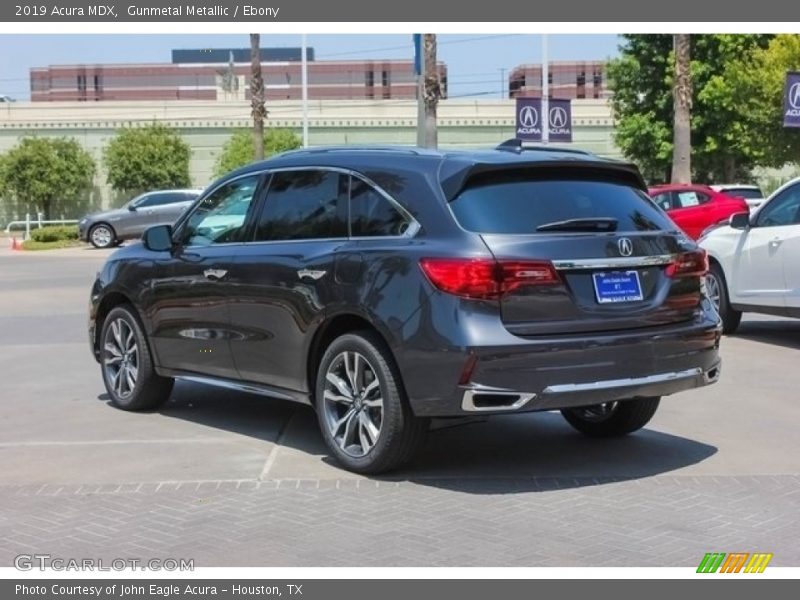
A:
[432, 90]
[259, 110]
[682, 107]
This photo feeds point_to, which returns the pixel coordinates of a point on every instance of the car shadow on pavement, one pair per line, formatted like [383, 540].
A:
[504, 454]
[778, 333]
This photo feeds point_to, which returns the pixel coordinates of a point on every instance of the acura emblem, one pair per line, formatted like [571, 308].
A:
[528, 116]
[625, 246]
[558, 117]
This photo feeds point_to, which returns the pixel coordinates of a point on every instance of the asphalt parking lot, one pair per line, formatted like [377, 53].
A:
[231, 479]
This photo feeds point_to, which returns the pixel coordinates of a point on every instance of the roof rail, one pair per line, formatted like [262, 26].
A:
[356, 148]
[518, 146]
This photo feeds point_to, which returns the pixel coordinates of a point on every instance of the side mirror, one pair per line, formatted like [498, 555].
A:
[739, 221]
[158, 238]
[132, 207]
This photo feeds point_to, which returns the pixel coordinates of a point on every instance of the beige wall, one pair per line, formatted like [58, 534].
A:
[207, 125]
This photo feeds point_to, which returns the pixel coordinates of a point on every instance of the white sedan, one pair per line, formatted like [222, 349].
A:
[755, 260]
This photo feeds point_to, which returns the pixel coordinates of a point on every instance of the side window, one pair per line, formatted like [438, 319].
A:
[783, 210]
[663, 200]
[689, 199]
[304, 205]
[371, 214]
[221, 217]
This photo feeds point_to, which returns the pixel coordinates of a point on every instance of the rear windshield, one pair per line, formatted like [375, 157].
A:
[520, 204]
[746, 193]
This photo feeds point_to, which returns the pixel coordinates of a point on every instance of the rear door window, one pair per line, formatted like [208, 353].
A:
[519, 204]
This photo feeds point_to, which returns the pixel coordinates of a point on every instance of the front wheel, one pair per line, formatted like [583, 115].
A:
[365, 418]
[612, 419]
[717, 291]
[127, 366]
[102, 236]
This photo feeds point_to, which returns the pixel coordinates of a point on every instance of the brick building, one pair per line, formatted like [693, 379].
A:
[567, 79]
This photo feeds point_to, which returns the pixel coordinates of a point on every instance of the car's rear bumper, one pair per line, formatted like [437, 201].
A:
[563, 372]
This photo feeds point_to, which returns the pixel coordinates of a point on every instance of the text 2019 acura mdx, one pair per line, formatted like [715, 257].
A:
[387, 286]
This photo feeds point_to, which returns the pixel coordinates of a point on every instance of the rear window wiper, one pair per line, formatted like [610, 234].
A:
[590, 224]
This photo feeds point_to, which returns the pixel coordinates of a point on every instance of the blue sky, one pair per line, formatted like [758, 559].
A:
[474, 61]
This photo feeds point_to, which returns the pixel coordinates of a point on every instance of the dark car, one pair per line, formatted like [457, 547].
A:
[110, 227]
[387, 286]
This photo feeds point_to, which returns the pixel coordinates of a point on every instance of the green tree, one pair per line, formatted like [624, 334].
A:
[642, 79]
[147, 158]
[238, 150]
[758, 82]
[47, 175]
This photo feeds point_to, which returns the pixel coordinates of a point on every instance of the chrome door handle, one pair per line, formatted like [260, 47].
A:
[214, 274]
[774, 242]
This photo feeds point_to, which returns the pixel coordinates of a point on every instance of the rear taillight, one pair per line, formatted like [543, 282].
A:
[486, 278]
[689, 264]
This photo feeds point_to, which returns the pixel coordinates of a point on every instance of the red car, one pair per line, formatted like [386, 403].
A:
[696, 207]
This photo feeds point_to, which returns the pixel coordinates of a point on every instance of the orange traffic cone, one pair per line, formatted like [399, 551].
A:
[15, 245]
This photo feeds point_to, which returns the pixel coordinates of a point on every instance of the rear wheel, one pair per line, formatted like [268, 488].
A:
[365, 418]
[102, 236]
[717, 290]
[612, 419]
[127, 366]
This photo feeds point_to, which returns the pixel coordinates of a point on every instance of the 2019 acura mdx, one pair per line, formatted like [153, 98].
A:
[387, 286]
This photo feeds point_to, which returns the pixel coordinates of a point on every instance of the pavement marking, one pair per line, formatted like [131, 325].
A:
[273, 453]
[117, 442]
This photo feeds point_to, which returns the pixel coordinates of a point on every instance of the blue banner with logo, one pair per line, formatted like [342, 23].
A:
[791, 101]
[529, 122]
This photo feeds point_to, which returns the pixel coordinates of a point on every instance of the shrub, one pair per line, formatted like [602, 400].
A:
[55, 233]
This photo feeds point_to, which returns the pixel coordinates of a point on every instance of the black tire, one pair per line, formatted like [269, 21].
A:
[149, 390]
[400, 433]
[622, 417]
[730, 317]
[98, 240]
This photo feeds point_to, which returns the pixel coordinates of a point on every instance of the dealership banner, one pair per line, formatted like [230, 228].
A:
[791, 101]
[530, 120]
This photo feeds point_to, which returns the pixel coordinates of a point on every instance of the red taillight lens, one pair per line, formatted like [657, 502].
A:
[486, 278]
[689, 264]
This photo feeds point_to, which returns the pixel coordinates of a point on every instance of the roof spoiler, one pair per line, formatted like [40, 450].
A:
[518, 146]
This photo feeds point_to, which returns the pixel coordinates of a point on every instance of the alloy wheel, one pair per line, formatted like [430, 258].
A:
[101, 236]
[121, 358]
[713, 290]
[353, 403]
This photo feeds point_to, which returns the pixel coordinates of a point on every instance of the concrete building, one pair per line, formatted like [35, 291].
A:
[206, 125]
[567, 79]
[224, 74]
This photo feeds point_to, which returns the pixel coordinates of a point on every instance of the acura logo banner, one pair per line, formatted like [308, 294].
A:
[791, 101]
[530, 121]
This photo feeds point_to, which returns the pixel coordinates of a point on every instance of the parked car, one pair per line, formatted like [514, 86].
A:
[696, 207]
[110, 227]
[752, 194]
[387, 286]
[755, 260]
[4, 98]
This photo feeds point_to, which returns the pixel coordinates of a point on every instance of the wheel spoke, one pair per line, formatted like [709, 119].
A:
[116, 355]
[130, 380]
[119, 376]
[340, 384]
[329, 395]
[343, 421]
[115, 330]
[369, 428]
[374, 402]
[349, 430]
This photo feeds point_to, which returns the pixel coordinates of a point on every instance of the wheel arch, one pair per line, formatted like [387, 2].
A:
[333, 327]
[109, 302]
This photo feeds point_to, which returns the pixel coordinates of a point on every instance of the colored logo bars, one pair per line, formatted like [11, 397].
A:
[735, 562]
[791, 101]
[530, 122]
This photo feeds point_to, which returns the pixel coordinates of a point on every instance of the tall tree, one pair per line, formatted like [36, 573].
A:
[432, 89]
[259, 110]
[47, 174]
[139, 159]
[642, 79]
[682, 111]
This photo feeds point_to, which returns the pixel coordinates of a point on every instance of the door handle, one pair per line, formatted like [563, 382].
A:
[775, 242]
[214, 274]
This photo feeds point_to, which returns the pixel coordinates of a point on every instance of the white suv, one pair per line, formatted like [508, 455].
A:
[755, 260]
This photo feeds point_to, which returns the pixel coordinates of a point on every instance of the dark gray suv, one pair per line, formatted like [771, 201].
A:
[387, 286]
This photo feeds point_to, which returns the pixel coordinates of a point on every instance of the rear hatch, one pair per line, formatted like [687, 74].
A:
[581, 250]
